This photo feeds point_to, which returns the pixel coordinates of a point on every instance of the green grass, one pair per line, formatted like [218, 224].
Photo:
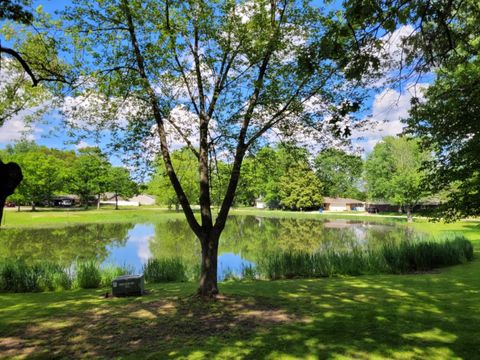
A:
[396, 258]
[431, 316]
[64, 217]
[165, 270]
[417, 316]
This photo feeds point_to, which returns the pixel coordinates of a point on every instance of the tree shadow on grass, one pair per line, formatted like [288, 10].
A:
[415, 316]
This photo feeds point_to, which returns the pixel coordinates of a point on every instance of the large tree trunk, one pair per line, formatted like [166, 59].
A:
[33, 206]
[116, 202]
[208, 274]
[98, 202]
[2, 205]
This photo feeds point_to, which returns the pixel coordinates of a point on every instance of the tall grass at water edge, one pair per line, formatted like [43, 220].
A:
[165, 270]
[395, 258]
[404, 257]
[20, 276]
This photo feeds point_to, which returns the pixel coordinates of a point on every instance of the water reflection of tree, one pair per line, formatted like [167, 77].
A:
[254, 236]
[63, 244]
[251, 237]
[175, 239]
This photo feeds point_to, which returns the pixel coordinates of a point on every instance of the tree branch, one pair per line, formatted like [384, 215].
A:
[192, 221]
[22, 62]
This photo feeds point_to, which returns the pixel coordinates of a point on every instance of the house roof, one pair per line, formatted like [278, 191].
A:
[343, 201]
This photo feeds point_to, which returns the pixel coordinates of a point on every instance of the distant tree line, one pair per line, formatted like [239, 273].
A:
[282, 176]
[47, 172]
[290, 177]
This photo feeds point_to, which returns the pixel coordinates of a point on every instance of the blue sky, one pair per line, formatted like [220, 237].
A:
[389, 105]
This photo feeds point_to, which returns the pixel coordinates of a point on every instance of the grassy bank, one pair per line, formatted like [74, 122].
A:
[62, 217]
[432, 315]
[429, 316]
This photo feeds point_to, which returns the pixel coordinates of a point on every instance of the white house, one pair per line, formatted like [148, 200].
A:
[260, 203]
[144, 199]
[342, 204]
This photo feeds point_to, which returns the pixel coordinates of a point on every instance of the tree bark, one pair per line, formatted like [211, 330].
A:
[2, 205]
[33, 206]
[98, 202]
[116, 202]
[409, 213]
[208, 286]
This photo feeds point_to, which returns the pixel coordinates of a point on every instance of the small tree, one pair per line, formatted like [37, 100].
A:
[160, 185]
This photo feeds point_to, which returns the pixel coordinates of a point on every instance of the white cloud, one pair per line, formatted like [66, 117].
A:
[16, 128]
[143, 247]
[82, 144]
[393, 43]
[388, 109]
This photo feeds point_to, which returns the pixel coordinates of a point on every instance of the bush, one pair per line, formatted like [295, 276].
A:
[88, 274]
[165, 270]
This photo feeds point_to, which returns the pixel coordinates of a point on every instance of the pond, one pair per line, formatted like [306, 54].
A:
[243, 242]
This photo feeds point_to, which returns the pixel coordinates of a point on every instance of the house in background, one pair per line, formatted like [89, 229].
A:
[143, 199]
[342, 204]
[138, 200]
[260, 203]
[65, 200]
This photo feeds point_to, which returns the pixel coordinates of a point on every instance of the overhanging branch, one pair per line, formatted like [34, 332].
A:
[22, 62]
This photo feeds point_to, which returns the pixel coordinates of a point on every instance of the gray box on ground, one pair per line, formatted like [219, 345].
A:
[128, 285]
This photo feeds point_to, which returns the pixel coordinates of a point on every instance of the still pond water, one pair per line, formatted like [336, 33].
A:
[244, 240]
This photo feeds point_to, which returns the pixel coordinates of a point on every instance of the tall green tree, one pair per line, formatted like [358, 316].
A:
[88, 176]
[213, 74]
[300, 189]
[448, 123]
[43, 173]
[120, 183]
[186, 167]
[393, 172]
[340, 173]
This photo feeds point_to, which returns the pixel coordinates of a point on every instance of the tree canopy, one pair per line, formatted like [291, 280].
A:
[216, 76]
[448, 123]
[340, 173]
[393, 172]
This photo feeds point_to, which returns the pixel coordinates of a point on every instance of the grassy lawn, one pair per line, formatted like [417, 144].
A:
[429, 316]
[61, 217]
[422, 316]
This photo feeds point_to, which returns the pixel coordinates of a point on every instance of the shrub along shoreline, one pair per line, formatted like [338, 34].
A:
[412, 256]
